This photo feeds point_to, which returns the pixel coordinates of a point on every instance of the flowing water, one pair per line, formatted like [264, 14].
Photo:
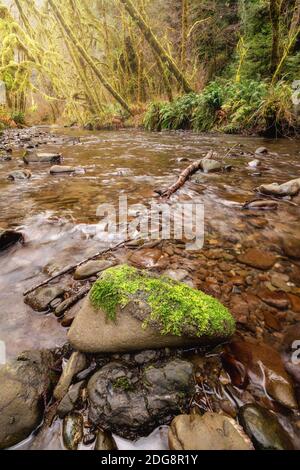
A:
[57, 213]
[58, 216]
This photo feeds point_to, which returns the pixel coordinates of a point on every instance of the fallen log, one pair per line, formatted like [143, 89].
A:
[184, 176]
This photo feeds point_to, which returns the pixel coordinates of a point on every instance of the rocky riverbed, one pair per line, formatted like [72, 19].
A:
[76, 390]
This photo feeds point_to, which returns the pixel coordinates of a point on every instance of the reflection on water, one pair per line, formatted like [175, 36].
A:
[56, 213]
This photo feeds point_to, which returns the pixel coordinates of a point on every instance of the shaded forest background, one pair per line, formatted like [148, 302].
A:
[228, 65]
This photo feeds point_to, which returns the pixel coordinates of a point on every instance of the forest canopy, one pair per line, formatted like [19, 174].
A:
[171, 64]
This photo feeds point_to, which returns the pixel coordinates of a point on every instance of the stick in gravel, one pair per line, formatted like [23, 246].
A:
[184, 176]
[75, 266]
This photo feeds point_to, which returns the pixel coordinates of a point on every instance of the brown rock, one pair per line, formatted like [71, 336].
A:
[271, 321]
[146, 258]
[291, 247]
[258, 259]
[278, 299]
[209, 432]
[295, 302]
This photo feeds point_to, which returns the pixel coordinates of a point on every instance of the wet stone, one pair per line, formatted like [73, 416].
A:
[9, 238]
[40, 299]
[258, 259]
[275, 299]
[91, 269]
[264, 429]
[72, 431]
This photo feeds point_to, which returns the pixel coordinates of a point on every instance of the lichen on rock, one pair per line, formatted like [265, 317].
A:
[173, 308]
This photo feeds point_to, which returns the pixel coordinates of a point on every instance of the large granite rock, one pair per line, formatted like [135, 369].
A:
[130, 402]
[25, 383]
[209, 432]
[130, 310]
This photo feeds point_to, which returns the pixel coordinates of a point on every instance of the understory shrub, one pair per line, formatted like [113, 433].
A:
[232, 107]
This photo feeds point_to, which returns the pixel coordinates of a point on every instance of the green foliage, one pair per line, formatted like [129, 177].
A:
[175, 307]
[123, 383]
[18, 117]
[230, 107]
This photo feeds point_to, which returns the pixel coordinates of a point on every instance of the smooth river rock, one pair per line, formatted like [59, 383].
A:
[258, 259]
[129, 324]
[291, 188]
[19, 175]
[291, 247]
[25, 383]
[209, 432]
[57, 169]
[75, 364]
[33, 157]
[40, 299]
[264, 428]
[91, 269]
[130, 402]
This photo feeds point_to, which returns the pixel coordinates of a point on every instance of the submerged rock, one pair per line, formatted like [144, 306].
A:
[264, 429]
[25, 383]
[262, 368]
[73, 431]
[209, 432]
[128, 309]
[261, 151]
[258, 259]
[5, 158]
[129, 403]
[40, 299]
[19, 175]
[210, 166]
[9, 237]
[261, 205]
[291, 188]
[33, 157]
[291, 247]
[91, 268]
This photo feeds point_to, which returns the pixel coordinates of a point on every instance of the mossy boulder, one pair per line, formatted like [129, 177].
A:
[128, 309]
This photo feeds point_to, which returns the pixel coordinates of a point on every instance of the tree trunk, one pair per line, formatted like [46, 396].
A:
[275, 9]
[88, 58]
[292, 38]
[184, 32]
[156, 46]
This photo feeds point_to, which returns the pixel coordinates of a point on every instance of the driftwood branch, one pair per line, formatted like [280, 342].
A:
[184, 176]
[70, 269]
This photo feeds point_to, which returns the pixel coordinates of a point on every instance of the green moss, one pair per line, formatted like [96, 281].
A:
[123, 383]
[176, 308]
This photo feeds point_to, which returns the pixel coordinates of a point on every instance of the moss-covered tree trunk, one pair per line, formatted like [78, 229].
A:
[88, 59]
[275, 9]
[156, 46]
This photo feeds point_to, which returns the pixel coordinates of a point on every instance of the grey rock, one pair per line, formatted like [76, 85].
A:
[209, 432]
[128, 404]
[261, 151]
[91, 269]
[25, 383]
[75, 364]
[210, 166]
[69, 401]
[291, 188]
[33, 157]
[41, 298]
[264, 429]
[19, 175]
